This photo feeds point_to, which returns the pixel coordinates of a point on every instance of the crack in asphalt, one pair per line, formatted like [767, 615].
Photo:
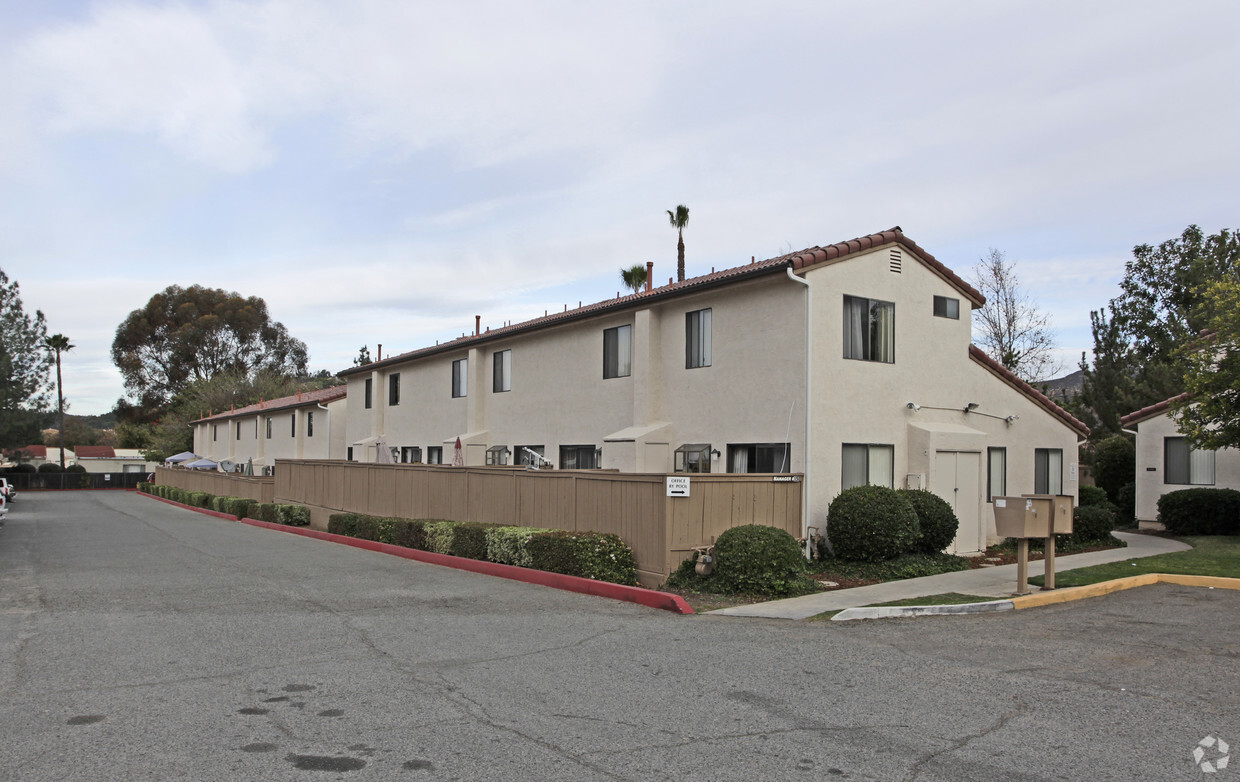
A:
[915, 770]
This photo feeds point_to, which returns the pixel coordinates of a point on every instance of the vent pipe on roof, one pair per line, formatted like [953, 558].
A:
[477, 325]
[649, 275]
[299, 396]
[380, 352]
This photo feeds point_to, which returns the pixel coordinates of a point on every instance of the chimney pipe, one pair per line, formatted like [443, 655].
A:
[380, 352]
[477, 325]
[649, 275]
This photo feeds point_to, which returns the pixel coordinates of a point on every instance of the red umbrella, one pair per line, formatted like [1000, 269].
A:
[458, 459]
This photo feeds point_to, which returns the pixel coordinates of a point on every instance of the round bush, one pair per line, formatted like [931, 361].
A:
[871, 524]
[1201, 511]
[757, 559]
[1093, 523]
[935, 517]
[75, 468]
[23, 467]
[1092, 495]
[49, 467]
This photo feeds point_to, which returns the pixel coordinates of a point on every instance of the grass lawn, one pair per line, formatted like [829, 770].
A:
[1211, 555]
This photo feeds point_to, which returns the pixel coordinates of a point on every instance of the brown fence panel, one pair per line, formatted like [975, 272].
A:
[221, 484]
[719, 502]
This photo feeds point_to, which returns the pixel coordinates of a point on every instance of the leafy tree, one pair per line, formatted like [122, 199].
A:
[1010, 327]
[1119, 380]
[191, 334]
[24, 368]
[1115, 464]
[1210, 416]
[59, 343]
[634, 277]
[679, 219]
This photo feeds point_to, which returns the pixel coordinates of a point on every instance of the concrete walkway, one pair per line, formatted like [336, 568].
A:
[999, 581]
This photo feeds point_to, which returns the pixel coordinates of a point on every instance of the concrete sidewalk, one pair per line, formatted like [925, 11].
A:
[996, 582]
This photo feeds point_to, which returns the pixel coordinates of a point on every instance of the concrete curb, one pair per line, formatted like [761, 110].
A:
[1053, 597]
[896, 612]
[663, 601]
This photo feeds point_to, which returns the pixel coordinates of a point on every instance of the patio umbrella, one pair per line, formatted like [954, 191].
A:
[249, 466]
[383, 454]
[458, 459]
[183, 456]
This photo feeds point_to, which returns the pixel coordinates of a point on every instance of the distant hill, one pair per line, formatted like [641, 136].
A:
[1064, 387]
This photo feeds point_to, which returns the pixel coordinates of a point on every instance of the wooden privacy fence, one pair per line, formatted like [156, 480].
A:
[221, 484]
[661, 530]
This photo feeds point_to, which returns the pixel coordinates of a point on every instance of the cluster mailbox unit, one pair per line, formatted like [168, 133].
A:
[1034, 516]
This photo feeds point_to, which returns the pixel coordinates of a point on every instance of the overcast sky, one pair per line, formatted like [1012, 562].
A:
[380, 172]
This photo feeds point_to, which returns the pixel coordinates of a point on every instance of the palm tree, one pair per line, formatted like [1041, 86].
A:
[679, 219]
[634, 277]
[59, 343]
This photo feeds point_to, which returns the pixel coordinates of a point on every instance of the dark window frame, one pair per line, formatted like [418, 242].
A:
[698, 338]
[368, 394]
[394, 389]
[460, 378]
[869, 348]
[614, 339]
[501, 371]
[889, 447]
[991, 452]
[950, 307]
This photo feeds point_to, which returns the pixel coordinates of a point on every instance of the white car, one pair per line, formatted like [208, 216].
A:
[7, 490]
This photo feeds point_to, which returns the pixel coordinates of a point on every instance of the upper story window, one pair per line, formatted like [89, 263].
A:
[501, 377]
[697, 339]
[1185, 464]
[1048, 471]
[869, 330]
[868, 464]
[292, 420]
[394, 389]
[309, 423]
[215, 432]
[238, 430]
[268, 427]
[369, 392]
[946, 308]
[460, 377]
[618, 352]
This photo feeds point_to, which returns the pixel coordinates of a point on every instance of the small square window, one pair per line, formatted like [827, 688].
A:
[946, 308]
[869, 330]
[692, 457]
[498, 454]
[410, 454]
[434, 454]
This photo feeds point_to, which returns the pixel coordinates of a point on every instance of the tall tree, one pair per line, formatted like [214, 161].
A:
[191, 334]
[679, 219]
[1139, 355]
[24, 368]
[363, 357]
[1210, 416]
[1010, 327]
[59, 343]
[634, 277]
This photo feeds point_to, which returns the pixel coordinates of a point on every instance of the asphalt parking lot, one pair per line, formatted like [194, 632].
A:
[142, 641]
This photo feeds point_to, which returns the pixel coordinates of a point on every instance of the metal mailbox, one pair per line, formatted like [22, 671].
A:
[1033, 515]
[1063, 506]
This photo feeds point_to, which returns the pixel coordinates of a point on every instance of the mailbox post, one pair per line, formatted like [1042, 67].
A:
[1033, 516]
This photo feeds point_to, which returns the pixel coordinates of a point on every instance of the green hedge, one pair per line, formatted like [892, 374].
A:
[935, 518]
[1092, 523]
[586, 554]
[273, 513]
[1093, 495]
[1201, 511]
[871, 524]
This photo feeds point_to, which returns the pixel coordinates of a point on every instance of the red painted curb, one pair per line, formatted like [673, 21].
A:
[650, 598]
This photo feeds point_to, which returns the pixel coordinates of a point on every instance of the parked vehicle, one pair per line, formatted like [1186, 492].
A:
[7, 489]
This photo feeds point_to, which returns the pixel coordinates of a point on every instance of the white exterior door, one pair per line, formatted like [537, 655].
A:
[957, 480]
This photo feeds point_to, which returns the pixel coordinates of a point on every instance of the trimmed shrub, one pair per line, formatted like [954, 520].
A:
[200, 499]
[1127, 502]
[49, 467]
[75, 468]
[217, 503]
[754, 558]
[408, 533]
[1115, 464]
[1201, 511]
[293, 515]
[267, 512]
[1092, 523]
[242, 507]
[936, 519]
[509, 545]
[595, 555]
[439, 536]
[343, 524]
[871, 524]
[469, 539]
[23, 467]
[1092, 495]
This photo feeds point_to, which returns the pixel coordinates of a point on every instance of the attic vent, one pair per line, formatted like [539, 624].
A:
[897, 260]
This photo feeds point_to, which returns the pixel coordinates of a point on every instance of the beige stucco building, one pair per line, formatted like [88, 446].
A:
[303, 426]
[849, 364]
[1166, 462]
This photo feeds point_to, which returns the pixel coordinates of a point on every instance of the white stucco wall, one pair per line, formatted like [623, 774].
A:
[1151, 466]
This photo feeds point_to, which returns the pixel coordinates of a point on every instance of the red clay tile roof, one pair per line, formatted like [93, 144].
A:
[817, 255]
[979, 355]
[797, 260]
[94, 452]
[1146, 413]
[33, 451]
[321, 396]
